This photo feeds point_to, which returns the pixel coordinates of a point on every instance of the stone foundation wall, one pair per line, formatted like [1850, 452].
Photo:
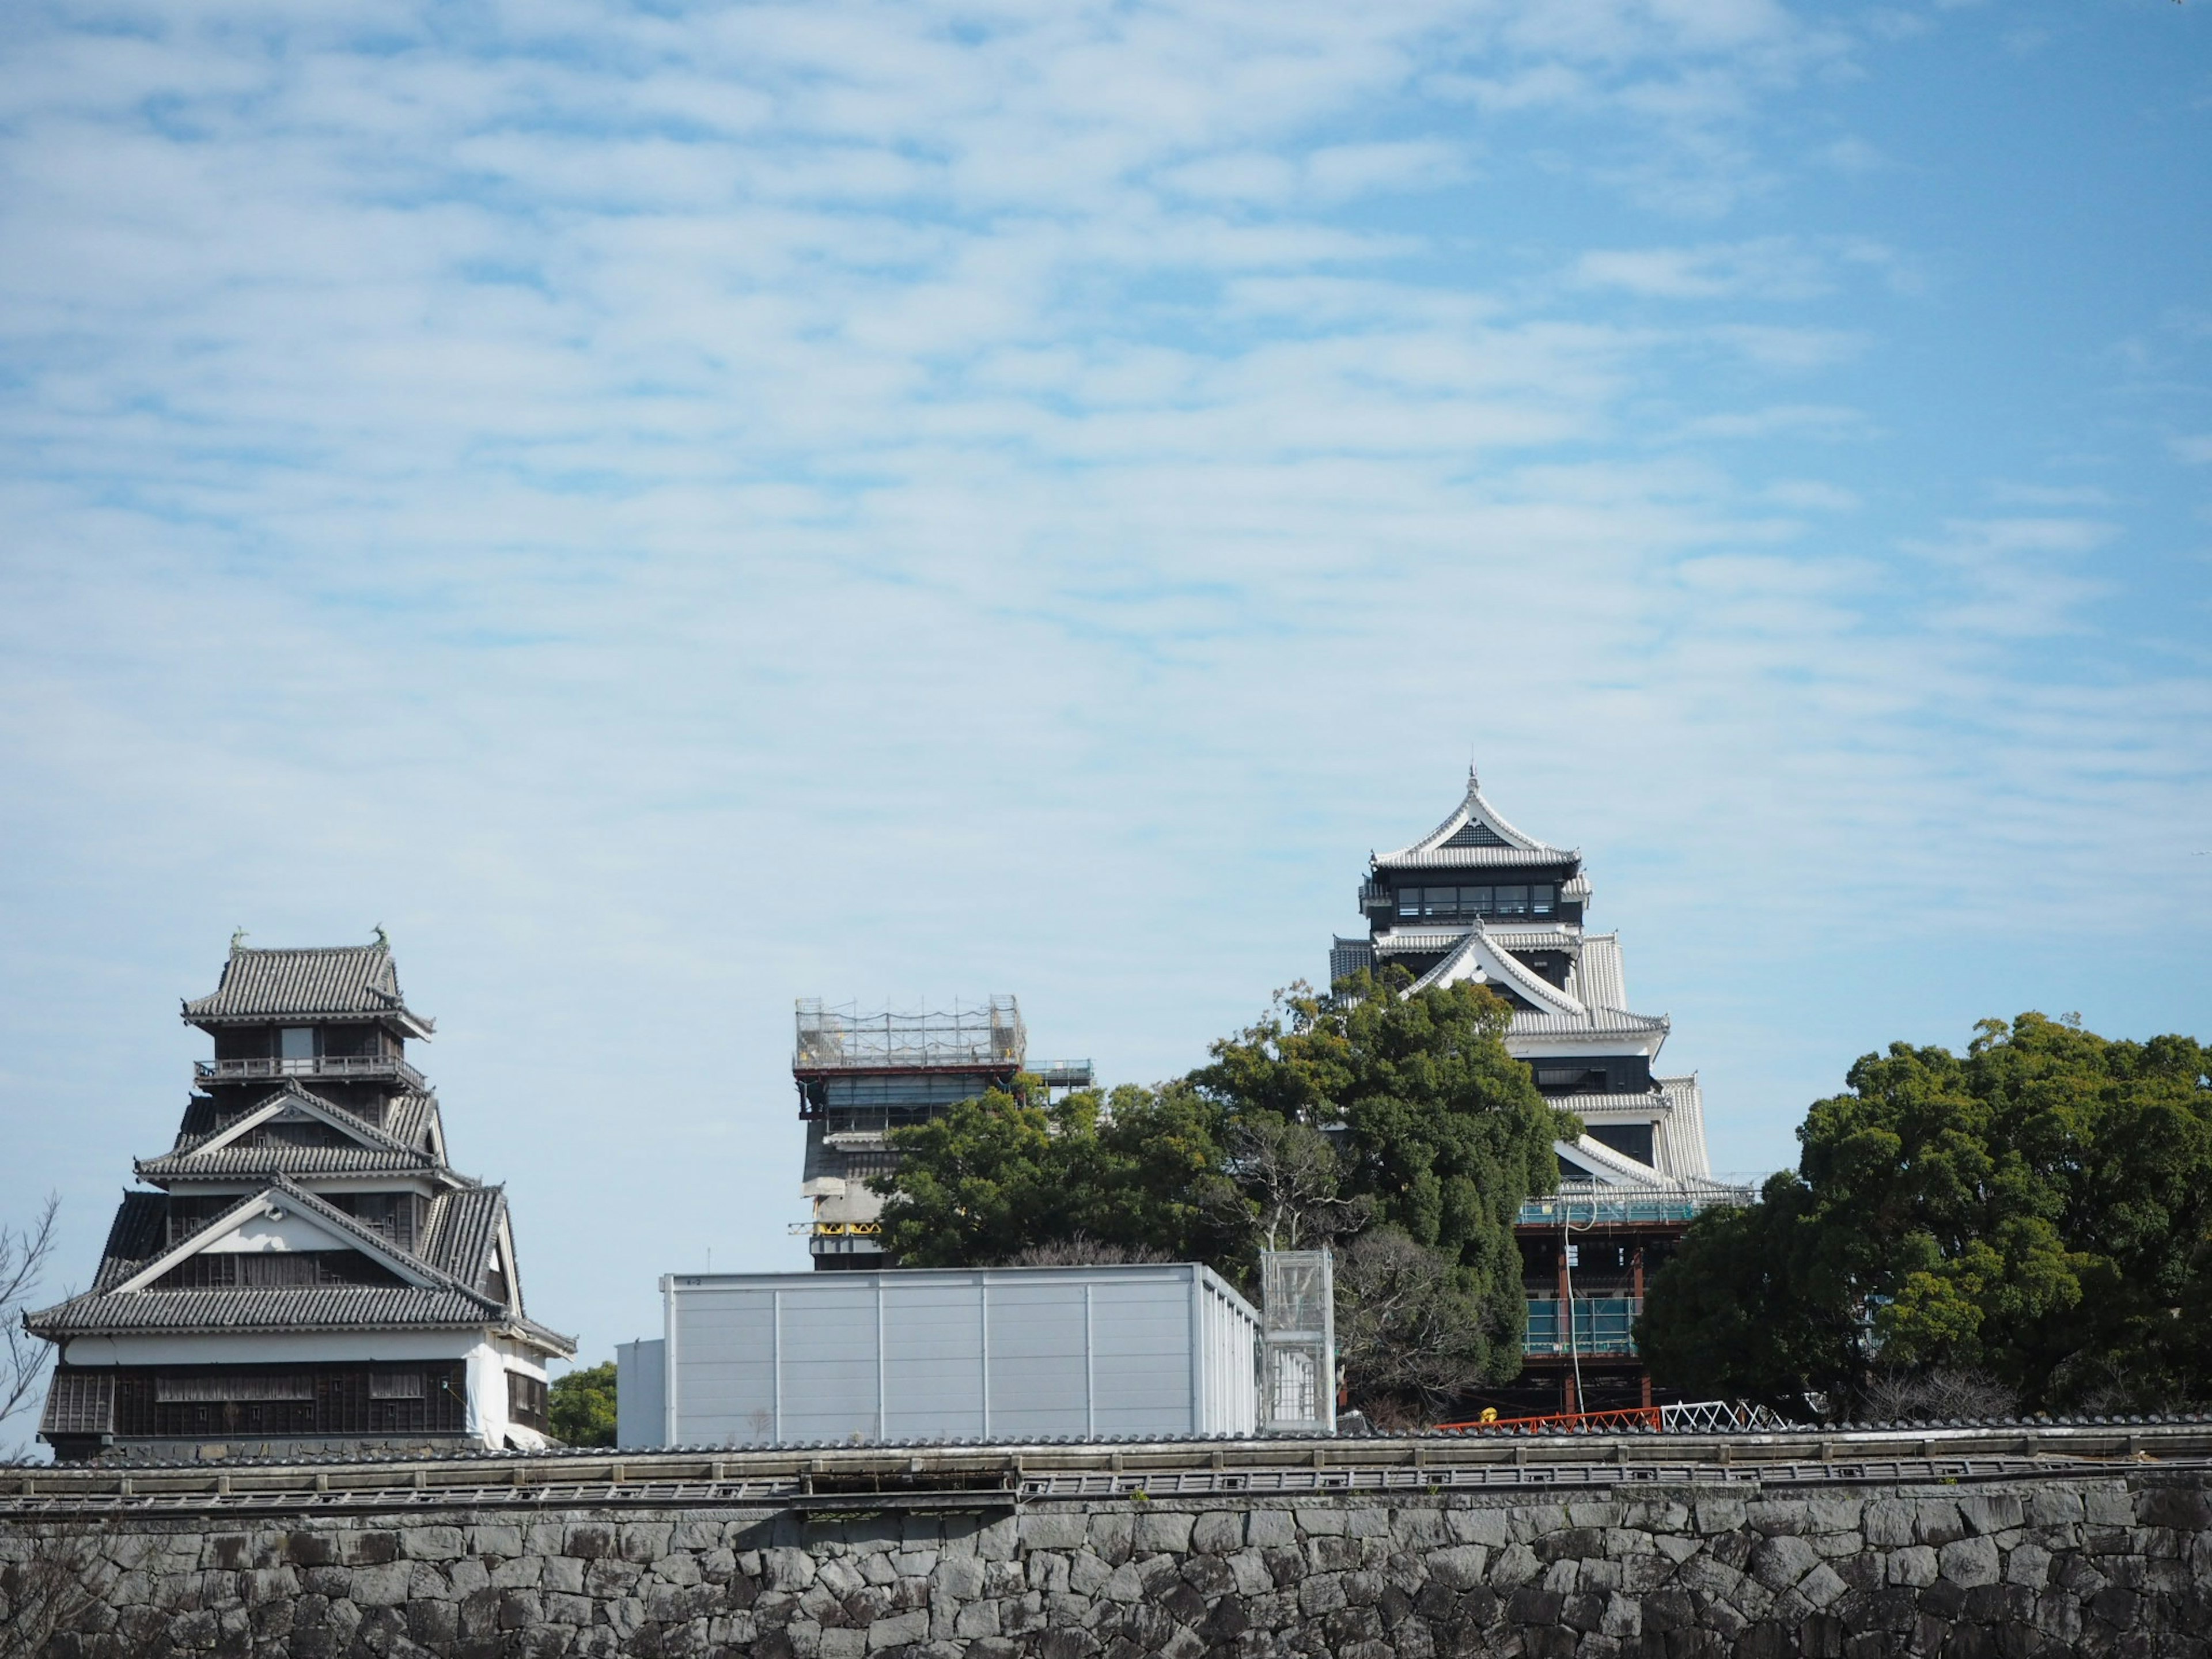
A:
[2120, 1564]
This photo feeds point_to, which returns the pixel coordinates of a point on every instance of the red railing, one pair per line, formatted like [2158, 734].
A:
[1632, 1417]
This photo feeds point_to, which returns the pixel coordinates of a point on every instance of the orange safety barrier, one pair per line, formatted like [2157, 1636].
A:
[1632, 1417]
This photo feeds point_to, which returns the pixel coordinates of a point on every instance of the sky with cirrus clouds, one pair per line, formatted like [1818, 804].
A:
[673, 509]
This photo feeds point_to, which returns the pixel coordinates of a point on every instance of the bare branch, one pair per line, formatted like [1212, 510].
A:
[25, 1255]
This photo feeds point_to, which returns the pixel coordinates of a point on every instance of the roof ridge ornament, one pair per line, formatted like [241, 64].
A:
[382, 938]
[238, 938]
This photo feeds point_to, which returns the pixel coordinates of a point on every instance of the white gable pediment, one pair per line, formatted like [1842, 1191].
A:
[296, 1106]
[278, 1219]
[1595, 1161]
[281, 1230]
[1482, 960]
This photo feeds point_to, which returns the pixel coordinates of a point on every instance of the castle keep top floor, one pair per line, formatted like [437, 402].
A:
[1475, 864]
[335, 1016]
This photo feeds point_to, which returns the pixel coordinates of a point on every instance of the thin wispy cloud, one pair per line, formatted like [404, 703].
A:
[674, 510]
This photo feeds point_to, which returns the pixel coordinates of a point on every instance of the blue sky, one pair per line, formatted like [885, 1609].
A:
[671, 509]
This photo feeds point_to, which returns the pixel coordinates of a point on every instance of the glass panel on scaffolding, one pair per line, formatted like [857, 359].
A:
[1297, 1315]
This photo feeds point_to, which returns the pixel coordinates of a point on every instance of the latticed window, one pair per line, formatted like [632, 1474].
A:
[526, 1402]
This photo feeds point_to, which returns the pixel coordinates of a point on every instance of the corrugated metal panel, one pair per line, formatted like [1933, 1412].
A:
[962, 1355]
[640, 1392]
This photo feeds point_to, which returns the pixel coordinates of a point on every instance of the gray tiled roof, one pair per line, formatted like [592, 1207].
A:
[340, 982]
[1445, 847]
[1600, 1021]
[411, 1119]
[463, 1225]
[309, 1309]
[454, 1301]
[304, 1105]
[274, 1160]
[135, 1238]
[1461, 858]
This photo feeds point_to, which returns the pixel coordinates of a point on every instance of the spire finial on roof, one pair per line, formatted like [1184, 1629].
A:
[1473, 783]
[238, 938]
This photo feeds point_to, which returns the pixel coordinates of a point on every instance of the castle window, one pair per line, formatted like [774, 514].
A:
[296, 1043]
[526, 1402]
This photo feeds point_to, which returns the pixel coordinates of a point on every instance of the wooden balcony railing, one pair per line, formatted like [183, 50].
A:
[349, 1068]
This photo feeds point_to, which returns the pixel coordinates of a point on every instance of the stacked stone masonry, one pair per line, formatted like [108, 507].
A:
[2120, 1566]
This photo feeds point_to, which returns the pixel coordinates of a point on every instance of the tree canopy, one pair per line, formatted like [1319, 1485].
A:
[2038, 1211]
[581, 1405]
[1364, 1112]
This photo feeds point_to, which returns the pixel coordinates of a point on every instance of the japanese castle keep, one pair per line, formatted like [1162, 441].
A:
[1476, 899]
[309, 1274]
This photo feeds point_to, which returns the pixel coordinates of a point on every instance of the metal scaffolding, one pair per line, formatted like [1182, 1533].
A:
[986, 1035]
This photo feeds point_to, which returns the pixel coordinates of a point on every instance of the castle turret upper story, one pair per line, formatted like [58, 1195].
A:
[1478, 899]
[302, 1267]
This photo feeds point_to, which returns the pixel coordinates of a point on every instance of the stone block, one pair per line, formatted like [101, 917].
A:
[383, 1586]
[1250, 1571]
[1320, 1593]
[1718, 1515]
[1333, 1553]
[1513, 1566]
[1163, 1529]
[1217, 1532]
[999, 1541]
[1461, 1567]
[959, 1578]
[2052, 1506]
[1086, 1573]
[974, 1619]
[498, 1540]
[1266, 1527]
[1488, 1526]
[1967, 1562]
[1937, 1521]
[2179, 1509]
[644, 1541]
[1822, 1586]
[564, 1573]
[1990, 1511]
[2107, 1505]
[1367, 1523]
[432, 1543]
[789, 1569]
[1059, 1529]
[1112, 1533]
[1319, 1519]
[1419, 1530]
[2029, 1564]
[522, 1572]
[1780, 1561]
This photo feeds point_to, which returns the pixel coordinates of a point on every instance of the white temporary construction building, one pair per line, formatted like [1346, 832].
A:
[990, 1353]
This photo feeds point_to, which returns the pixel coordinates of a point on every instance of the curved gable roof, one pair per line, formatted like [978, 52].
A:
[342, 981]
[1474, 833]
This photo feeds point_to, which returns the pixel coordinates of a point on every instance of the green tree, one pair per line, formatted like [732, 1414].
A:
[1140, 1170]
[1367, 1109]
[582, 1407]
[1440, 1132]
[2036, 1211]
